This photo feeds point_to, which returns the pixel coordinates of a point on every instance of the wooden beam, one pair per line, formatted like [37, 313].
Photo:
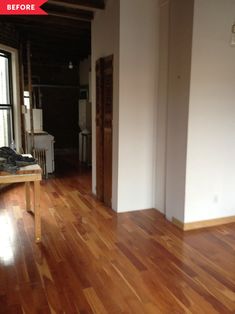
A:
[67, 16]
[68, 13]
[21, 79]
[30, 93]
[87, 5]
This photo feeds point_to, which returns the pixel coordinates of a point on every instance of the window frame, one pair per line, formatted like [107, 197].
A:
[10, 105]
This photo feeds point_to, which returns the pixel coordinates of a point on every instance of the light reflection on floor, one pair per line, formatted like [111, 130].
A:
[6, 239]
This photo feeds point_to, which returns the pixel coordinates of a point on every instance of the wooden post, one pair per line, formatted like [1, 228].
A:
[21, 71]
[30, 94]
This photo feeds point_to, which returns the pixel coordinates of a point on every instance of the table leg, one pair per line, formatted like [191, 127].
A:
[37, 213]
[27, 196]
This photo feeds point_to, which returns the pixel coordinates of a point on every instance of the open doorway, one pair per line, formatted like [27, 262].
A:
[58, 91]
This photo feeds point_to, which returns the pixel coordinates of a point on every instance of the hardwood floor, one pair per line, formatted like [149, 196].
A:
[94, 261]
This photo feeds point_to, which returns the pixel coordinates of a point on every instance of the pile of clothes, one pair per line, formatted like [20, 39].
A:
[10, 161]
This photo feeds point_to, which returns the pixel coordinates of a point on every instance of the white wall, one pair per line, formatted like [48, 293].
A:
[211, 133]
[105, 42]
[180, 42]
[137, 103]
[130, 32]
[84, 69]
[196, 112]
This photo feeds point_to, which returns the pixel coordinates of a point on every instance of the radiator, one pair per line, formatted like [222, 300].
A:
[40, 155]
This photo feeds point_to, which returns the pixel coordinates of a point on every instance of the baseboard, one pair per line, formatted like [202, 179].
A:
[203, 224]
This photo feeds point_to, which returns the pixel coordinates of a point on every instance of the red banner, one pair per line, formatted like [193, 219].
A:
[22, 7]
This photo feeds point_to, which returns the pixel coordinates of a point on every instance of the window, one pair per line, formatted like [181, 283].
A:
[6, 106]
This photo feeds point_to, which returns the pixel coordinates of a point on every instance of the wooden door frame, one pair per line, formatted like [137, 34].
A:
[104, 140]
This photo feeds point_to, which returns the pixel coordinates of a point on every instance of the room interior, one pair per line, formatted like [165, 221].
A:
[131, 107]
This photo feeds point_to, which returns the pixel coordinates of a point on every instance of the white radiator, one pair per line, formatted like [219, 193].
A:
[40, 155]
[45, 141]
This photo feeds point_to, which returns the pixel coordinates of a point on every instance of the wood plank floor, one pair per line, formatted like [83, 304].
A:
[94, 261]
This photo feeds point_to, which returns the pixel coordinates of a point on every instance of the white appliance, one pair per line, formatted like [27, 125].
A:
[43, 140]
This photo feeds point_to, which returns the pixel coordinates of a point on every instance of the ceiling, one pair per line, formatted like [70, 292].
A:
[64, 32]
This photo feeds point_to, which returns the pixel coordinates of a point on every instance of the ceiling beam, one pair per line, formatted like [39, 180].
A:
[73, 14]
[67, 15]
[88, 5]
[49, 21]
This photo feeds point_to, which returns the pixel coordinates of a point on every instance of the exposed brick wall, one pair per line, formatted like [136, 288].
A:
[9, 35]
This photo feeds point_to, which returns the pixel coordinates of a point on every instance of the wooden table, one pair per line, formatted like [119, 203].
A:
[32, 173]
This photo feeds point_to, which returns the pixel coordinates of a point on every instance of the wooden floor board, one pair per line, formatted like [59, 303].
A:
[92, 260]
